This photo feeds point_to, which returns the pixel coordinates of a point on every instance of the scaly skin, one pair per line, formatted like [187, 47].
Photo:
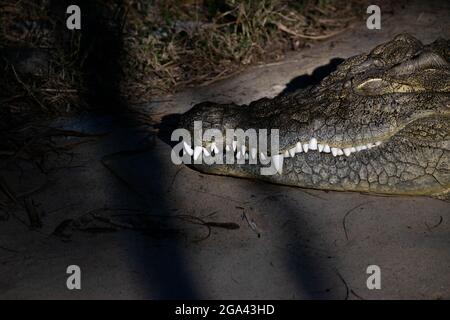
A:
[398, 94]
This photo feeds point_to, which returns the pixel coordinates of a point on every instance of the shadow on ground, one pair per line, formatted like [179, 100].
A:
[101, 50]
[310, 276]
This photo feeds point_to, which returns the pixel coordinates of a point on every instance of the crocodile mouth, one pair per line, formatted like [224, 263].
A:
[242, 151]
[379, 123]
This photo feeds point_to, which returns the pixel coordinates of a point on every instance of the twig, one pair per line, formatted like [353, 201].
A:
[28, 89]
[251, 223]
[436, 225]
[347, 290]
[59, 90]
[283, 28]
[348, 212]
[356, 295]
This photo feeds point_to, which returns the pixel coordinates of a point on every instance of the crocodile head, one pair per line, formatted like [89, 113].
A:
[379, 123]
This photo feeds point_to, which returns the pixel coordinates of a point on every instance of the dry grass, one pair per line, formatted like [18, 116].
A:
[168, 45]
[173, 44]
[37, 77]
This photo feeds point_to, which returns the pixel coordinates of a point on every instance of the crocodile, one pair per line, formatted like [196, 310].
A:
[380, 123]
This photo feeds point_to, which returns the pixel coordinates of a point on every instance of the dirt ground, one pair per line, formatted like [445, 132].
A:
[140, 227]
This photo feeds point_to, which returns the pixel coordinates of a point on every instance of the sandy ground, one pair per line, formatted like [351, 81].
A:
[277, 242]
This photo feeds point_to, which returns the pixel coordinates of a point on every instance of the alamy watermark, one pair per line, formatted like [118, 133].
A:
[374, 20]
[74, 280]
[236, 147]
[374, 280]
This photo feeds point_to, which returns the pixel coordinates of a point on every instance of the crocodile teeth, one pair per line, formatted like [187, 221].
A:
[278, 163]
[263, 157]
[197, 152]
[370, 145]
[227, 148]
[234, 145]
[360, 148]
[214, 148]
[334, 151]
[188, 148]
[238, 155]
[246, 156]
[298, 147]
[340, 152]
[353, 149]
[253, 153]
[286, 154]
[305, 147]
[205, 151]
[243, 149]
[347, 151]
[292, 151]
[320, 147]
[377, 143]
[326, 149]
[313, 144]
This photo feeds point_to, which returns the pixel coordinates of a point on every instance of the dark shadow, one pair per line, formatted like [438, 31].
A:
[100, 52]
[306, 80]
[310, 272]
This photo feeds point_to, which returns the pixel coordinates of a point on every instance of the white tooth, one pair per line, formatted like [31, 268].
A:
[347, 151]
[253, 152]
[197, 152]
[205, 151]
[246, 156]
[334, 151]
[340, 152]
[377, 143]
[292, 151]
[326, 149]
[243, 149]
[298, 147]
[320, 147]
[227, 148]
[234, 145]
[188, 148]
[214, 148]
[352, 149]
[238, 155]
[286, 154]
[370, 145]
[278, 163]
[359, 148]
[313, 144]
[305, 147]
[262, 156]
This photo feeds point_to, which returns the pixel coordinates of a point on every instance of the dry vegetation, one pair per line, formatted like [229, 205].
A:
[172, 44]
[168, 45]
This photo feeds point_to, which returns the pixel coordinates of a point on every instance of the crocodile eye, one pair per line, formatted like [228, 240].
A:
[378, 86]
[372, 87]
